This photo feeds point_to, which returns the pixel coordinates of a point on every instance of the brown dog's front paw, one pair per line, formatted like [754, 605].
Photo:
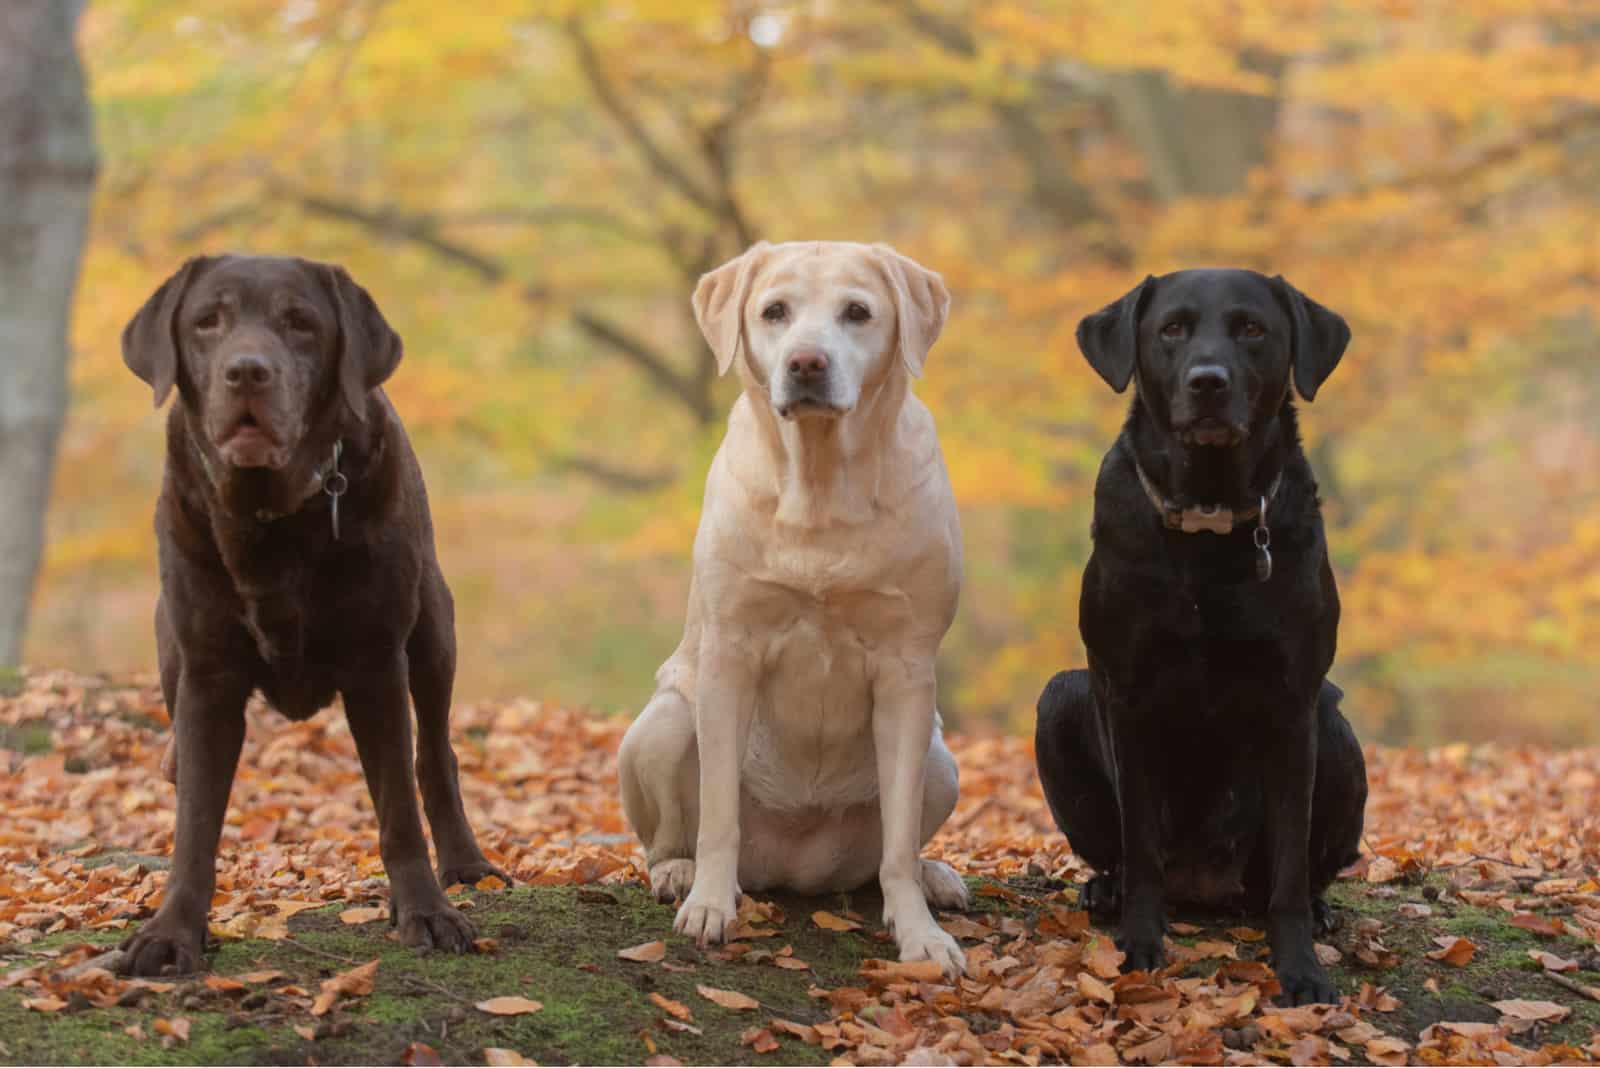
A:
[163, 947]
[471, 873]
[435, 927]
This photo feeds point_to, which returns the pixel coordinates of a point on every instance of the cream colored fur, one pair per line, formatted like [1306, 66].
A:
[793, 739]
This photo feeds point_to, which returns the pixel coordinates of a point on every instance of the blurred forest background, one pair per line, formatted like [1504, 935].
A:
[531, 189]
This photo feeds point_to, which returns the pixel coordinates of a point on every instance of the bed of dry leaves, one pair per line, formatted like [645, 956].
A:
[1515, 829]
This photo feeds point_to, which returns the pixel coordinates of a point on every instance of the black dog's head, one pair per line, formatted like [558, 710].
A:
[258, 347]
[1214, 351]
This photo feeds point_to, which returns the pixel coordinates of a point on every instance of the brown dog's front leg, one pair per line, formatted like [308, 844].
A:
[380, 720]
[1290, 778]
[210, 734]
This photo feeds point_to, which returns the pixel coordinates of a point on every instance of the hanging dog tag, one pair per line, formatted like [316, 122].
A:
[1263, 537]
[334, 484]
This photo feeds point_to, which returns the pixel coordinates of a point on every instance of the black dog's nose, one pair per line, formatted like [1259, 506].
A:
[806, 365]
[247, 371]
[1208, 380]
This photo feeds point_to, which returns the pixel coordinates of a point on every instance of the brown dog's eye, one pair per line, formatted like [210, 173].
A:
[209, 321]
[776, 312]
[297, 322]
[1174, 331]
[856, 312]
[1253, 330]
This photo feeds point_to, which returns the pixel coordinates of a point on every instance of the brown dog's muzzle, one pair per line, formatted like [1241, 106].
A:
[250, 411]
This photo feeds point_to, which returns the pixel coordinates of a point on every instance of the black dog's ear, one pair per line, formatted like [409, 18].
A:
[369, 349]
[150, 340]
[1320, 337]
[1109, 338]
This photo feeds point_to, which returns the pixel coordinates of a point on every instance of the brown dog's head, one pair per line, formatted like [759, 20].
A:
[257, 346]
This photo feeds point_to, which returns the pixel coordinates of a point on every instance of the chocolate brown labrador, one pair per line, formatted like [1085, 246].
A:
[297, 559]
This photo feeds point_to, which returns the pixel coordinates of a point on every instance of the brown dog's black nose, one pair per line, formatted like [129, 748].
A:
[1208, 380]
[806, 365]
[247, 371]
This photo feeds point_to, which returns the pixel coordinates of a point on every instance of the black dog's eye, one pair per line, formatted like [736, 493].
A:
[857, 312]
[209, 321]
[1253, 330]
[776, 312]
[1174, 331]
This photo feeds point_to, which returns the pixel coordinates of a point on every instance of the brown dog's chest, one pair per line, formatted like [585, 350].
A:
[288, 622]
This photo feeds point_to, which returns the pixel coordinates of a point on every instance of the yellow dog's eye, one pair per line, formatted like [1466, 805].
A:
[857, 312]
[776, 312]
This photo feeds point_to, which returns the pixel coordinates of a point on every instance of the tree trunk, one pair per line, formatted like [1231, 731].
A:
[1195, 141]
[47, 169]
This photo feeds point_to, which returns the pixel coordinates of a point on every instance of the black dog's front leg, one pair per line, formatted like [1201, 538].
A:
[1144, 904]
[1289, 778]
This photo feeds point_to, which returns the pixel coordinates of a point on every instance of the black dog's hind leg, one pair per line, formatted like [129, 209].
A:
[1338, 805]
[1077, 785]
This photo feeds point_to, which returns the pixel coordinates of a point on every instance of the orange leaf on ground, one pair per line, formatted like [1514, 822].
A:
[829, 922]
[1551, 962]
[363, 915]
[1520, 1014]
[420, 1055]
[509, 1005]
[644, 953]
[728, 999]
[1539, 925]
[1454, 951]
[496, 1057]
[759, 1039]
[672, 1008]
[355, 983]
[177, 1028]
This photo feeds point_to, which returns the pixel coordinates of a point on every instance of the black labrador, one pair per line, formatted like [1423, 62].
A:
[1202, 757]
[297, 559]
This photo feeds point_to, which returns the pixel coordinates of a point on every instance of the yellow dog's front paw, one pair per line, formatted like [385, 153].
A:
[707, 917]
[932, 942]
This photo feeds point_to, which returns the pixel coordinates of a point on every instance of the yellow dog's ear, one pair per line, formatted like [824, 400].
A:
[719, 302]
[921, 305]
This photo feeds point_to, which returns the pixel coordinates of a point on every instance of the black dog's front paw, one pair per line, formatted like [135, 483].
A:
[1143, 953]
[1305, 983]
[1102, 895]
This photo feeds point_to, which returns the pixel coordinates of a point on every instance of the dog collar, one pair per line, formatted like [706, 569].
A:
[332, 481]
[1217, 519]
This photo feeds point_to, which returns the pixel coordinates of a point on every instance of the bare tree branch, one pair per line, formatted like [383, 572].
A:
[421, 230]
[644, 356]
[616, 478]
[611, 100]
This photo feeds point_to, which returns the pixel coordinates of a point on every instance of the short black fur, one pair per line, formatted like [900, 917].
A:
[1203, 757]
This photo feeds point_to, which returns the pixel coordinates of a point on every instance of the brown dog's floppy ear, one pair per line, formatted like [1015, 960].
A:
[150, 340]
[369, 349]
[719, 303]
[1320, 337]
[922, 304]
[1109, 337]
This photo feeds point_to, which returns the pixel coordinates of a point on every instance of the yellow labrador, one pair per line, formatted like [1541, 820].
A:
[793, 739]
